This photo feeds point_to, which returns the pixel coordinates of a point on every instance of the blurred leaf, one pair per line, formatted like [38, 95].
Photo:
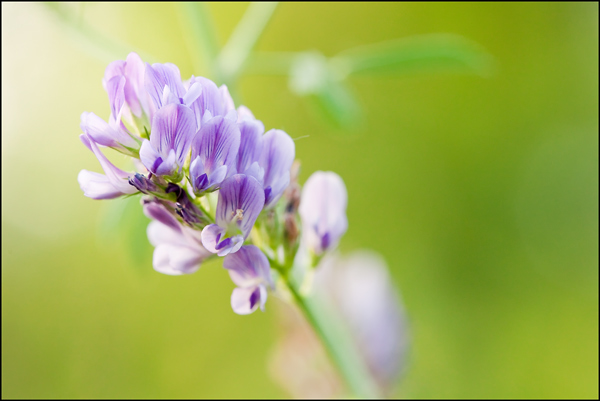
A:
[422, 53]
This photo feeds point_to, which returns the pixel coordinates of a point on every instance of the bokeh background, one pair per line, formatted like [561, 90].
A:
[481, 192]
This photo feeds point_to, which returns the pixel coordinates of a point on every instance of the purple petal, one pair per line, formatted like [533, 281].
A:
[241, 199]
[323, 211]
[156, 211]
[173, 128]
[216, 144]
[176, 260]
[244, 114]
[211, 236]
[248, 266]
[103, 134]
[157, 76]
[116, 68]
[245, 300]
[251, 143]
[116, 95]
[135, 92]
[227, 100]
[96, 185]
[210, 100]
[276, 159]
[117, 177]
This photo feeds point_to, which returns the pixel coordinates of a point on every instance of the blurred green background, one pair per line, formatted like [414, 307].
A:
[480, 192]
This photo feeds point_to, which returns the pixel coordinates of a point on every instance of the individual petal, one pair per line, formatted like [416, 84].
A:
[255, 171]
[245, 300]
[156, 211]
[276, 159]
[149, 156]
[104, 134]
[157, 76]
[116, 68]
[117, 177]
[210, 100]
[116, 95]
[227, 100]
[248, 267]
[211, 236]
[251, 143]
[192, 94]
[135, 92]
[323, 211]
[245, 114]
[96, 185]
[216, 144]
[173, 128]
[241, 199]
[175, 260]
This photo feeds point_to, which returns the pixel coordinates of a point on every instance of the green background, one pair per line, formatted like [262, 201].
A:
[480, 192]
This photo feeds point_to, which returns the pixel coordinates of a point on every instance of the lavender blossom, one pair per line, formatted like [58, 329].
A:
[249, 270]
[178, 249]
[323, 211]
[251, 144]
[173, 128]
[214, 150]
[100, 186]
[241, 200]
[134, 91]
[276, 159]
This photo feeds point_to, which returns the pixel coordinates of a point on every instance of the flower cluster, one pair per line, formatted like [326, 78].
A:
[213, 182]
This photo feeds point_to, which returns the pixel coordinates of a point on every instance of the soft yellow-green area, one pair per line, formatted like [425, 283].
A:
[481, 193]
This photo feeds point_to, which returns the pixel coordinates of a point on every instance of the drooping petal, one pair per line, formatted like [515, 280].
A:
[251, 143]
[104, 134]
[248, 267]
[158, 212]
[276, 160]
[245, 300]
[117, 177]
[241, 199]
[323, 211]
[157, 77]
[176, 250]
[96, 185]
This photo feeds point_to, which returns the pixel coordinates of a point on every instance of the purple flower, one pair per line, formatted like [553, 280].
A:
[323, 211]
[251, 145]
[211, 102]
[178, 249]
[276, 159]
[134, 91]
[173, 128]
[112, 134]
[163, 83]
[99, 186]
[241, 200]
[249, 270]
[214, 150]
[362, 290]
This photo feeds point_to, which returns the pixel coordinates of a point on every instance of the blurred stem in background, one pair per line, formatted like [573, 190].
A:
[323, 80]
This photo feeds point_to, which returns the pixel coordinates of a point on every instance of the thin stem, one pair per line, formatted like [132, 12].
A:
[242, 40]
[337, 343]
[92, 41]
[201, 39]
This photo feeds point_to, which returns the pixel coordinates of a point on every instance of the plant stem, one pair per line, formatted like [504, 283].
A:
[337, 343]
[241, 42]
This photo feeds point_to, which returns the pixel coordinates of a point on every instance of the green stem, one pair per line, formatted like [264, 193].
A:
[338, 344]
[242, 40]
